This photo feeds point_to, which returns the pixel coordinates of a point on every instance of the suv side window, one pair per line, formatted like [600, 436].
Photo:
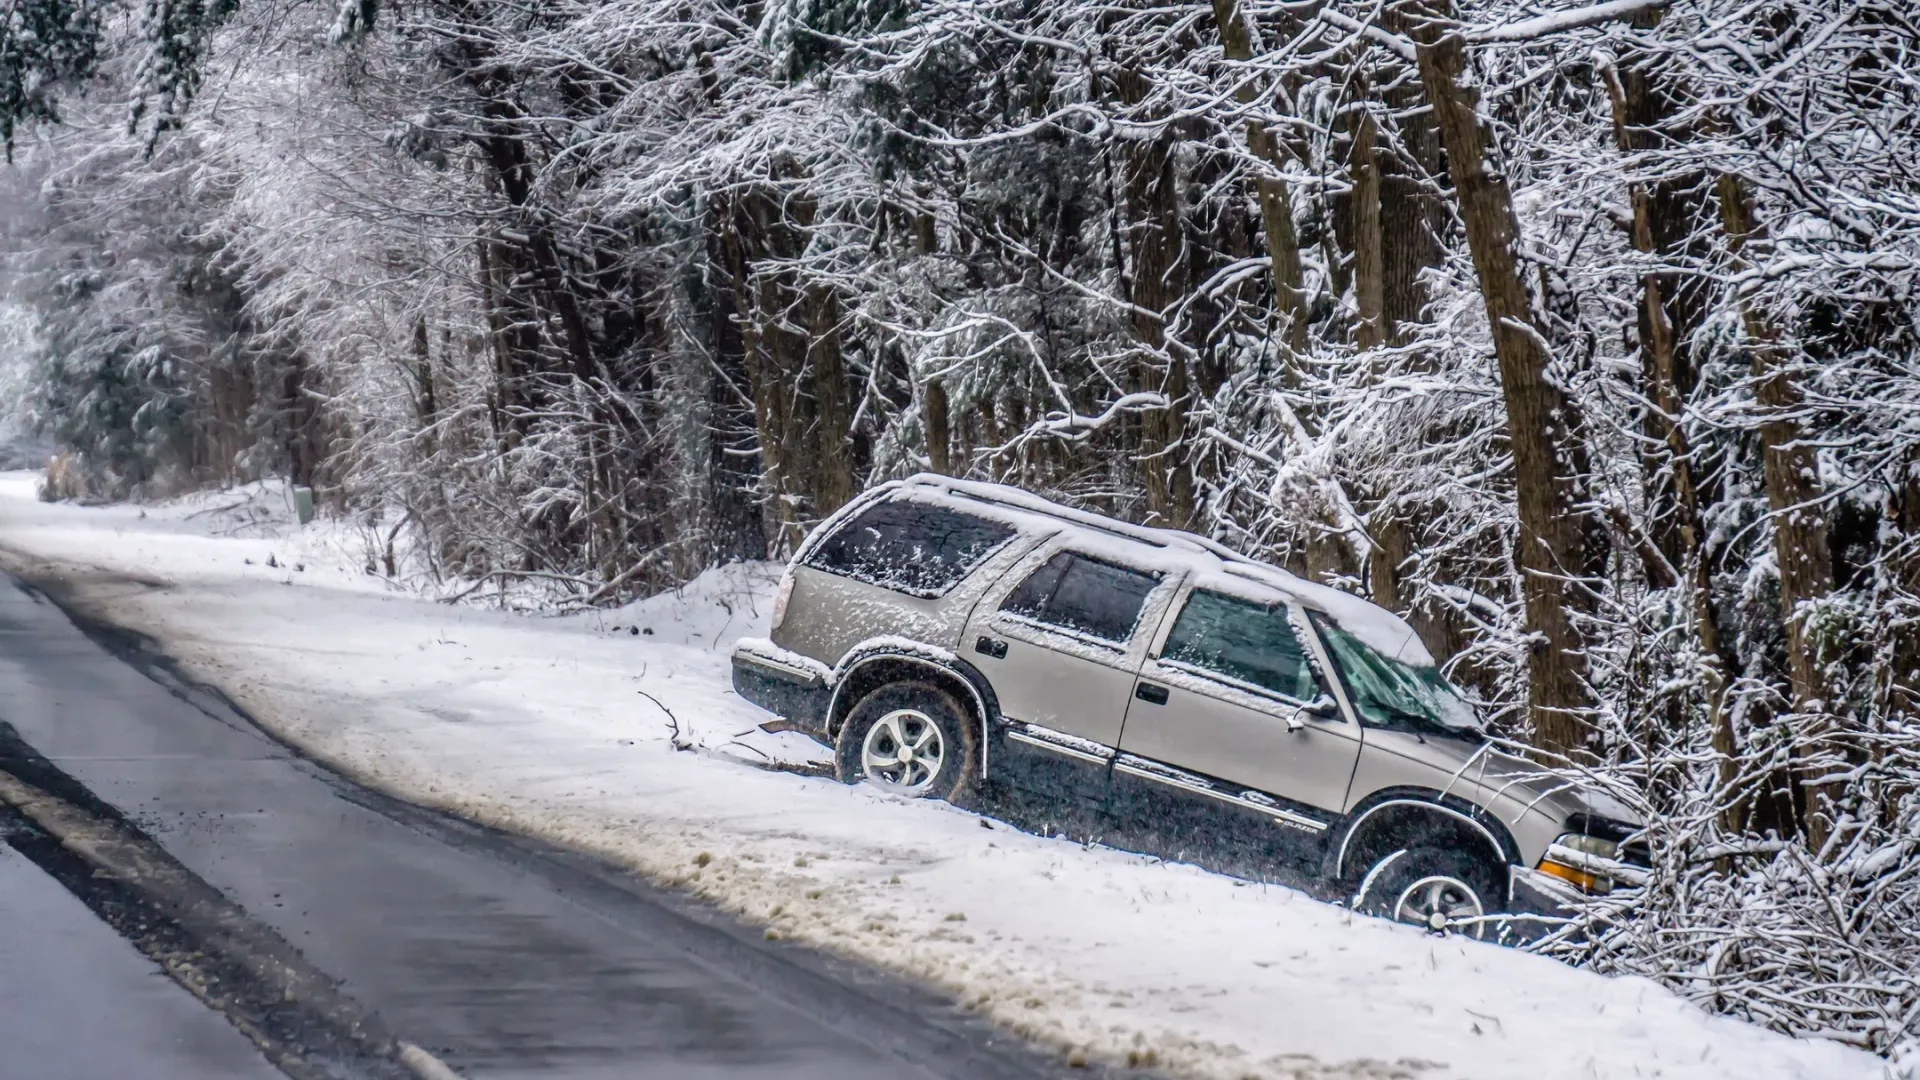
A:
[1083, 595]
[911, 547]
[1243, 640]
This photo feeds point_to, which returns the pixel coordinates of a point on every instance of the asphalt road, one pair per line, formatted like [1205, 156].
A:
[501, 957]
[78, 1002]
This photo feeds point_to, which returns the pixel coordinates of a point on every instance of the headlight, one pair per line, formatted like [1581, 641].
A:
[1589, 845]
[1568, 857]
[780, 597]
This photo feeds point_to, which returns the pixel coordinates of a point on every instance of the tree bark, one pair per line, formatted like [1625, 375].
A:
[934, 407]
[1327, 551]
[733, 478]
[1369, 255]
[502, 394]
[939, 434]
[1156, 275]
[1906, 644]
[833, 484]
[1667, 215]
[1559, 548]
[739, 242]
[1411, 218]
[1270, 188]
[1801, 545]
[1673, 495]
[790, 332]
[426, 397]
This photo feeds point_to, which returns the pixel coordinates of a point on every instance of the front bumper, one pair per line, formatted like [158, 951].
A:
[1537, 903]
[786, 684]
[1536, 893]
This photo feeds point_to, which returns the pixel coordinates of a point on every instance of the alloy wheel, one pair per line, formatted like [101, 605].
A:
[903, 752]
[1441, 903]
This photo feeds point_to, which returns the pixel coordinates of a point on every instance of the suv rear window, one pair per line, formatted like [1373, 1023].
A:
[1083, 595]
[909, 547]
[1245, 641]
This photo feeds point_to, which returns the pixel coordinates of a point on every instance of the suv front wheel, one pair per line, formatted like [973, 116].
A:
[909, 739]
[1436, 889]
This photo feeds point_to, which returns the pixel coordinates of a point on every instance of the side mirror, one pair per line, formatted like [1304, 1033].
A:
[1320, 708]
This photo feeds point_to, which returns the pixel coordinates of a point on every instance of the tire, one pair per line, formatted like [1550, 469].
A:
[1432, 888]
[943, 749]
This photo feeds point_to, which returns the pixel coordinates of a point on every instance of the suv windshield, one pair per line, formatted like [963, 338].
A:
[1394, 695]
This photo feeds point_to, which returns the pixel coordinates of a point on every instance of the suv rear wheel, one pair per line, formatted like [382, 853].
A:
[1433, 888]
[908, 738]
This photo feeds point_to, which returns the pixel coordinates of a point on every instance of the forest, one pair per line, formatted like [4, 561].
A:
[1584, 335]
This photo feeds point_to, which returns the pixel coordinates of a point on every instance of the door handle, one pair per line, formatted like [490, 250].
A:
[1151, 693]
[991, 646]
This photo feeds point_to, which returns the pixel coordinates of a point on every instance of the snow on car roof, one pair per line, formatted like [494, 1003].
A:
[1213, 564]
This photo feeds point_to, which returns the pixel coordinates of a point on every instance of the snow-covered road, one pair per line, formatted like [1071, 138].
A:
[563, 727]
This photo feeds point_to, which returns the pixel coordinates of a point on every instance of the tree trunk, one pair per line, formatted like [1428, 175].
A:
[1369, 255]
[1673, 496]
[503, 396]
[1559, 546]
[939, 434]
[739, 242]
[1413, 218]
[1391, 547]
[733, 478]
[426, 399]
[1410, 220]
[1276, 202]
[1156, 275]
[833, 484]
[301, 419]
[1668, 215]
[1801, 546]
[790, 332]
[1906, 643]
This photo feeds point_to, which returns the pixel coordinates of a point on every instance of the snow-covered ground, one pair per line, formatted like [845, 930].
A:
[566, 727]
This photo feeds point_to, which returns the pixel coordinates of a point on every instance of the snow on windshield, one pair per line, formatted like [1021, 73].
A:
[1393, 693]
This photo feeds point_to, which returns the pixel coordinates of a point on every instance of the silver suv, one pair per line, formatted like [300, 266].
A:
[942, 634]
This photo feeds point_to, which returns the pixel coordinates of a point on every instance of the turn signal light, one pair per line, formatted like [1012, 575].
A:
[1583, 880]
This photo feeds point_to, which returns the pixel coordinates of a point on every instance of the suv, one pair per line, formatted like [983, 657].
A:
[940, 633]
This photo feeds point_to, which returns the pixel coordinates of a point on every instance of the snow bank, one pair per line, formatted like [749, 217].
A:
[567, 728]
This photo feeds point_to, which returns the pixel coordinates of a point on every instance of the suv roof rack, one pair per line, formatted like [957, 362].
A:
[1109, 527]
[1013, 498]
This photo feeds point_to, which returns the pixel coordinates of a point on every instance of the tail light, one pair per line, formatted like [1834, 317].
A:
[780, 597]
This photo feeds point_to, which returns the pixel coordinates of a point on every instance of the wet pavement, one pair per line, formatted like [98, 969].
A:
[502, 957]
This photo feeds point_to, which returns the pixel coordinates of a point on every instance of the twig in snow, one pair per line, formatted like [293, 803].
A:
[680, 741]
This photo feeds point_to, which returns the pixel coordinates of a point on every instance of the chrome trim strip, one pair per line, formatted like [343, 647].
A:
[1286, 817]
[1072, 752]
[1118, 648]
